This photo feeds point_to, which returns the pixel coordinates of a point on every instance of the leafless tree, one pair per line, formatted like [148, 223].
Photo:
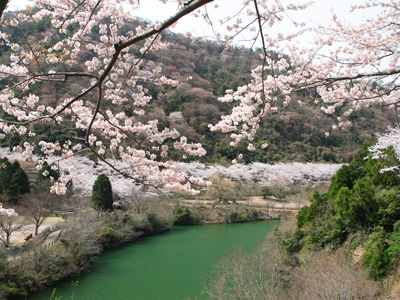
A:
[80, 236]
[138, 198]
[255, 275]
[38, 207]
[8, 225]
[325, 275]
[269, 205]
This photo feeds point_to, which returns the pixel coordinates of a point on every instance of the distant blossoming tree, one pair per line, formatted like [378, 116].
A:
[352, 66]
[8, 224]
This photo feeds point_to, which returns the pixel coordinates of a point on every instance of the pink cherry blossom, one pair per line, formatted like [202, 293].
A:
[346, 66]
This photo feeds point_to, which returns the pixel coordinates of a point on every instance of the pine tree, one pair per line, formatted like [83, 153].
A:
[102, 197]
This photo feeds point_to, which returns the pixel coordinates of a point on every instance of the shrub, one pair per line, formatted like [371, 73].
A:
[265, 192]
[375, 257]
[156, 222]
[223, 189]
[183, 216]
[236, 217]
[108, 237]
[255, 214]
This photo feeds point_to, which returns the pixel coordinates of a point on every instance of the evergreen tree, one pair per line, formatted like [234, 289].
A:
[102, 197]
[19, 185]
[6, 173]
[13, 181]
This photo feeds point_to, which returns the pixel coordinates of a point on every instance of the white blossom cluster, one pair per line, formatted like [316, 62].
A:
[111, 74]
[350, 67]
[84, 172]
[346, 66]
[390, 139]
[9, 212]
[285, 174]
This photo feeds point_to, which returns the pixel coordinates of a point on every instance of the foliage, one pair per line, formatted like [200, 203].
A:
[236, 214]
[108, 237]
[360, 197]
[375, 257]
[269, 272]
[47, 173]
[265, 192]
[119, 121]
[156, 222]
[102, 196]
[183, 216]
[19, 185]
[13, 181]
[8, 288]
[223, 189]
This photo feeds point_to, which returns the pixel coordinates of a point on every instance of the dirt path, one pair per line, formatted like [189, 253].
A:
[18, 237]
[256, 201]
[212, 212]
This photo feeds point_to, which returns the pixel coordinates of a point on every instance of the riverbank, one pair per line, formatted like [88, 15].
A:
[173, 265]
[251, 209]
[85, 235]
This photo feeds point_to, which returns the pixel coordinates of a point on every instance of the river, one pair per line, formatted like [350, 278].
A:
[169, 266]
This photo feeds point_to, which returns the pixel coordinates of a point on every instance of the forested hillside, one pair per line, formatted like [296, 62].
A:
[205, 70]
[362, 208]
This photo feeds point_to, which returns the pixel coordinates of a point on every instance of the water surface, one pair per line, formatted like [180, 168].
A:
[168, 266]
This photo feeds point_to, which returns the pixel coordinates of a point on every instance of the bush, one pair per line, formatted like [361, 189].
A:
[236, 217]
[223, 189]
[375, 257]
[255, 214]
[265, 192]
[108, 237]
[156, 222]
[183, 216]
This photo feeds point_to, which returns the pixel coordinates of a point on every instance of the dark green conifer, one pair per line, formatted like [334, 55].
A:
[102, 198]
[13, 181]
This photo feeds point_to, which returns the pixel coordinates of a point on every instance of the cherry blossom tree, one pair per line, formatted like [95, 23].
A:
[347, 66]
[111, 74]
[8, 224]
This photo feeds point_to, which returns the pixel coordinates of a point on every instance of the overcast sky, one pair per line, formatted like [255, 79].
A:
[154, 10]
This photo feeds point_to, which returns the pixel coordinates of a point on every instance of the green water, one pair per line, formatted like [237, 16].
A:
[172, 265]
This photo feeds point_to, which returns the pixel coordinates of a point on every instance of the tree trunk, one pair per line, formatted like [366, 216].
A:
[7, 241]
[3, 5]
